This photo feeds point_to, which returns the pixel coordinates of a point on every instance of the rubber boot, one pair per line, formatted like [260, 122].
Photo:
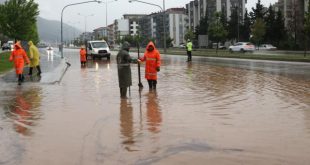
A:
[30, 71]
[123, 92]
[39, 70]
[154, 84]
[19, 79]
[150, 84]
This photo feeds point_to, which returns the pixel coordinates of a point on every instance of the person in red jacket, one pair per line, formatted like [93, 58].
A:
[19, 57]
[83, 55]
[152, 64]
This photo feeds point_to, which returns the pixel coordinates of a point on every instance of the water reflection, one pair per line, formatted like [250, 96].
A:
[126, 123]
[154, 116]
[23, 110]
[50, 54]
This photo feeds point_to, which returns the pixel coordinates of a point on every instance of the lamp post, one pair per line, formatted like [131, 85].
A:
[106, 15]
[85, 22]
[61, 30]
[164, 22]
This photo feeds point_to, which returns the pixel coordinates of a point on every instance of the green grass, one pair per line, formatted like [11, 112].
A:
[225, 54]
[5, 64]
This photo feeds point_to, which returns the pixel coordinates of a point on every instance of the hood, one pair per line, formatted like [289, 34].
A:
[17, 46]
[125, 46]
[30, 43]
[149, 45]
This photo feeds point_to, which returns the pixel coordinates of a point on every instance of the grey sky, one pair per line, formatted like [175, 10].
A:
[51, 9]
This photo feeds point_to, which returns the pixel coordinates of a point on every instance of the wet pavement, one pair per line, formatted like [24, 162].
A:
[209, 111]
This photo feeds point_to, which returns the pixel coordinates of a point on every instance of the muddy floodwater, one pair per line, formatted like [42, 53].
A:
[209, 111]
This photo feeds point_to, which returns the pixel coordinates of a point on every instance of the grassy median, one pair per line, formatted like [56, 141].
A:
[5, 64]
[298, 57]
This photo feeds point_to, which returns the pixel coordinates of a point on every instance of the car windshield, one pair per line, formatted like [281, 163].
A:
[99, 45]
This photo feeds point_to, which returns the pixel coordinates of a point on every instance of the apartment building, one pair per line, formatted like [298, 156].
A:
[197, 9]
[176, 23]
[133, 22]
[121, 28]
[100, 33]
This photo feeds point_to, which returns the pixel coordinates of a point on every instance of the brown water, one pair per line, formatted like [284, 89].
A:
[207, 112]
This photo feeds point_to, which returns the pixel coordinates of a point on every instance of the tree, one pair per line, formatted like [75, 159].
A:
[233, 25]
[217, 31]
[18, 19]
[257, 12]
[270, 21]
[279, 26]
[189, 35]
[246, 27]
[307, 28]
[258, 31]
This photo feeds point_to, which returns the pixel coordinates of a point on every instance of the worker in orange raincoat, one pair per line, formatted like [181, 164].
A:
[19, 57]
[152, 64]
[83, 55]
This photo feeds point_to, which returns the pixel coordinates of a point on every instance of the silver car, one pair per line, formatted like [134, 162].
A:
[242, 47]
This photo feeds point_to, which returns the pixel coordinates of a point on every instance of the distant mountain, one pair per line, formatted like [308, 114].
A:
[49, 30]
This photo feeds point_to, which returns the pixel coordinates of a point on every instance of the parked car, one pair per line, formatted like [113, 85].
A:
[6, 46]
[220, 46]
[242, 47]
[267, 47]
[98, 49]
[182, 46]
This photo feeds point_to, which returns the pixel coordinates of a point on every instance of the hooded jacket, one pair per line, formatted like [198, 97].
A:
[123, 65]
[83, 54]
[152, 61]
[19, 56]
[34, 55]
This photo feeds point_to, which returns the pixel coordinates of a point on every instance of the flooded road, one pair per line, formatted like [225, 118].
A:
[210, 111]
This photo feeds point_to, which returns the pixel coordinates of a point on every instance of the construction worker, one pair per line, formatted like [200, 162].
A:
[19, 57]
[83, 55]
[124, 71]
[152, 64]
[189, 48]
[34, 59]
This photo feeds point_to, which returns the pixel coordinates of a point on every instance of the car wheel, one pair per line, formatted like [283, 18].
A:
[242, 50]
[230, 51]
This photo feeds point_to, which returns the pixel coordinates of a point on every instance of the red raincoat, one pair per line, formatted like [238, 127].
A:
[19, 57]
[83, 55]
[152, 59]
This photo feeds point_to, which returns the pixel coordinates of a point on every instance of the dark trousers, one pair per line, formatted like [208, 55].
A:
[189, 55]
[38, 68]
[152, 84]
[123, 92]
[20, 79]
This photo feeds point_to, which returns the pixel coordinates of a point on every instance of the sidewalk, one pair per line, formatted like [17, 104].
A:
[48, 63]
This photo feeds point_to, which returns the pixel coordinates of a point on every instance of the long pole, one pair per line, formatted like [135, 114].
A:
[61, 24]
[139, 70]
[164, 22]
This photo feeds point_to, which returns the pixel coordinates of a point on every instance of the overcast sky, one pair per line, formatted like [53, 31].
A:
[51, 9]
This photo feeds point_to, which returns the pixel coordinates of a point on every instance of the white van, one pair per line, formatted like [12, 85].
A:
[98, 49]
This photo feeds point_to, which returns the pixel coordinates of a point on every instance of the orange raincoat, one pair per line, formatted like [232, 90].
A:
[19, 57]
[83, 55]
[152, 59]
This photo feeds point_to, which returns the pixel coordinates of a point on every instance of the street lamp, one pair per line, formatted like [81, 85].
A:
[106, 16]
[61, 31]
[85, 21]
[164, 22]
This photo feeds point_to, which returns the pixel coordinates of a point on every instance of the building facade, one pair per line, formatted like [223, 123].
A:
[121, 28]
[100, 33]
[198, 9]
[133, 22]
[176, 24]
